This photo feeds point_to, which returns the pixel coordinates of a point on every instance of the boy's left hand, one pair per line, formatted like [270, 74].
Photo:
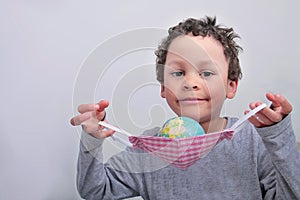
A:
[270, 115]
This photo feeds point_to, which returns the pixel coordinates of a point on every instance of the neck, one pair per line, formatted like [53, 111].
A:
[214, 125]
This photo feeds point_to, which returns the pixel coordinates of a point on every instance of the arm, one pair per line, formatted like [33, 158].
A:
[94, 179]
[97, 181]
[281, 145]
[275, 128]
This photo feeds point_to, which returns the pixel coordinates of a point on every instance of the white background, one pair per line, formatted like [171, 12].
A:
[44, 44]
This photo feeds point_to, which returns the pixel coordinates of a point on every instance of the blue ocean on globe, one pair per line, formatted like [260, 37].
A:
[181, 127]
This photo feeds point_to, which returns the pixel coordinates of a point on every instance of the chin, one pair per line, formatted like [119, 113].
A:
[194, 116]
[191, 112]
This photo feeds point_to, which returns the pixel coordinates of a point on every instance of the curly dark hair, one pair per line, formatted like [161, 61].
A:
[204, 27]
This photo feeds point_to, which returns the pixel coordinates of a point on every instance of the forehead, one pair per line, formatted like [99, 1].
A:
[197, 49]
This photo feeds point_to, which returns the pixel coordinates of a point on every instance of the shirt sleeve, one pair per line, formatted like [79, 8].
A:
[94, 179]
[280, 143]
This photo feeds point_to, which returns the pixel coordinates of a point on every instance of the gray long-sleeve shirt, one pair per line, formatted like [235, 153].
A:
[261, 163]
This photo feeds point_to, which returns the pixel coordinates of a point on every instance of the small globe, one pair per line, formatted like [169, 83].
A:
[181, 127]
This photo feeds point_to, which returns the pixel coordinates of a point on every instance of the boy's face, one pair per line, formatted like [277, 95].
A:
[196, 78]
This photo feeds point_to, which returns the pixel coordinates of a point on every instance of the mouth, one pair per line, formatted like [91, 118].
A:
[191, 101]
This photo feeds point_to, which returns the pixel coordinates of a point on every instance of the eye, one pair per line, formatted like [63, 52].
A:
[177, 74]
[206, 74]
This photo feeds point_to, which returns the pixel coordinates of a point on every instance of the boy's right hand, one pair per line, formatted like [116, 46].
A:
[90, 115]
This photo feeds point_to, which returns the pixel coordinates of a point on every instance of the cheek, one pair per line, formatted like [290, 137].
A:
[170, 95]
[172, 86]
[217, 89]
[171, 99]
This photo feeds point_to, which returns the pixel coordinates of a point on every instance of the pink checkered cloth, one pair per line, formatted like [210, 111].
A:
[181, 152]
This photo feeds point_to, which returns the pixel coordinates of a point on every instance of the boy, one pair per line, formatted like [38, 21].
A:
[198, 68]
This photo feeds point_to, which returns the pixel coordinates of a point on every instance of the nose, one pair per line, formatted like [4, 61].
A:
[192, 82]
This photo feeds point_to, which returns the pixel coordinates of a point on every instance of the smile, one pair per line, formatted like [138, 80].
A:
[191, 101]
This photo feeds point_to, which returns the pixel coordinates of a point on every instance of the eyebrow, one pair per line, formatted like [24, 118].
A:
[201, 63]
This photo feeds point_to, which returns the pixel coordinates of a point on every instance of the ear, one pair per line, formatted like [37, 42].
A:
[231, 88]
[162, 91]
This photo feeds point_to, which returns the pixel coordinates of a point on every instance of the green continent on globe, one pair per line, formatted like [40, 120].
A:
[181, 127]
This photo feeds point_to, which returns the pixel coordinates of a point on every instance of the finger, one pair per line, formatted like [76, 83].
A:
[253, 105]
[102, 105]
[286, 107]
[83, 108]
[101, 116]
[100, 113]
[73, 121]
[261, 118]
[271, 97]
[97, 130]
[103, 133]
[271, 115]
[79, 119]
[266, 116]
[275, 99]
[254, 120]
[280, 102]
